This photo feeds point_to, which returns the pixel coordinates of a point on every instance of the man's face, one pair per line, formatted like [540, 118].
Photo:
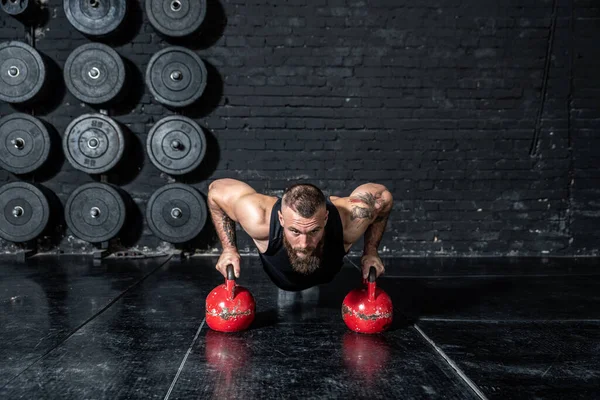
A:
[303, 238]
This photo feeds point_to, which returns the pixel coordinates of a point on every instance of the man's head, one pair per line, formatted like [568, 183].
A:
[303, 217]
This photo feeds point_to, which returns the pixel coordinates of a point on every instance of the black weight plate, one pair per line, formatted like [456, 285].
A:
[14, 7]
[95, 212]
[22, 72]
[24, 143]
[176, 76]
[93, 143]
[95, 17]
[176, 18]
[176, 213]
[24, 212]
[176, 145]
[94, 73]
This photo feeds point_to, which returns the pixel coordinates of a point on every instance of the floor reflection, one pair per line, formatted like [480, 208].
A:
[298, 306]
[365, 356]
[228, 354]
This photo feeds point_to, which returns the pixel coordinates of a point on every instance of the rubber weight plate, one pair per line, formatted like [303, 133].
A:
[94, 73]
[14, 7]
[22, 72]
[176, 18]
[24, 143]
[176, 145]
[24, 212]
[95, 17]
[93, 143]
[95, 212]
[176, 213]
[176, 76]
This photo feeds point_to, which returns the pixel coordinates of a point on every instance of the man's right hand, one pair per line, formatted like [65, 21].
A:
[229, 257]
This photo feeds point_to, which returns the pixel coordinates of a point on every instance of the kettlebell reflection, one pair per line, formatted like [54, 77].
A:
[365, 356]
[228, 354]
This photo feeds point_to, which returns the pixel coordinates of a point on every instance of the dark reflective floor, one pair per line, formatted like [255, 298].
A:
[463, 329]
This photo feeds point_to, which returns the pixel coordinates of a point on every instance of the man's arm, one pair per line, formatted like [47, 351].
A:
[222, 195]
[232, 201]
[376, 205]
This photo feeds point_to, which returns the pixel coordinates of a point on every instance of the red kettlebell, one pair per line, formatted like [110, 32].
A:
[368, 309]
[229, 307]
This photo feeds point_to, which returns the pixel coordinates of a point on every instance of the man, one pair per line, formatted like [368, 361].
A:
[301, 237]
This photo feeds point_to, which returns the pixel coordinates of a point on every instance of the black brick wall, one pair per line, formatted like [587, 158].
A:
[481, 117]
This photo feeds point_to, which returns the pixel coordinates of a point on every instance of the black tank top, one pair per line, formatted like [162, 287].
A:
[276, 262]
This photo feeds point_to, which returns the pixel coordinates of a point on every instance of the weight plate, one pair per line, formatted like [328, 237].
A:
[95, 212]
[176, 76]
[22, 72]
[93, 143]
[24, 143]
[94, 73]
[95, 17]
[14, 7]
[176, 18]
[176, 145]
[24, 212]
[176, 213]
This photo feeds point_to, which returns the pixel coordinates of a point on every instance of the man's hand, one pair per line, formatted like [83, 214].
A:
[229, 257]
[371, 260]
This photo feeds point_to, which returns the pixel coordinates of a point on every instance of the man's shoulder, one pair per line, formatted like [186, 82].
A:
[263, 200]
[254, 214]
[259, 204]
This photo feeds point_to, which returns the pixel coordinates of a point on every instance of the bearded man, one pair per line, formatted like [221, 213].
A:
[303, 236]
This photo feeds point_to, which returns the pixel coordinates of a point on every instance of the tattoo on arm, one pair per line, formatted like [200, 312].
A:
[368, 198]
[224, 225]
[229, 228]
[374, 232]
[363, 212]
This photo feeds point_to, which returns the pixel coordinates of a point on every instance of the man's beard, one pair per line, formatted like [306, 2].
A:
[308, 264]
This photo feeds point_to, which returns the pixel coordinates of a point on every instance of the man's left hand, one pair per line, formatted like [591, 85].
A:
[371, 260]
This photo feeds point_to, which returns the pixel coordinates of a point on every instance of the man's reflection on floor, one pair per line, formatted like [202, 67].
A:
[298, 306]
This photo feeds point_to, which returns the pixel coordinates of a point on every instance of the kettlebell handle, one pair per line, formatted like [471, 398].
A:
[230, 282]
[372, 274]
[372, 286]
[230, 273]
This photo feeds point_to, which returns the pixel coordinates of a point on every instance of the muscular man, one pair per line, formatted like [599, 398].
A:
[301, 237]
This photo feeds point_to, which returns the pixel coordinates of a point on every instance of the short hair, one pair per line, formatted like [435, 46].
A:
[304, 198]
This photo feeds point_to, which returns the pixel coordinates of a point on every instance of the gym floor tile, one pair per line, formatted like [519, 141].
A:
[528, 360]
[131, 349]
[48, 298]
